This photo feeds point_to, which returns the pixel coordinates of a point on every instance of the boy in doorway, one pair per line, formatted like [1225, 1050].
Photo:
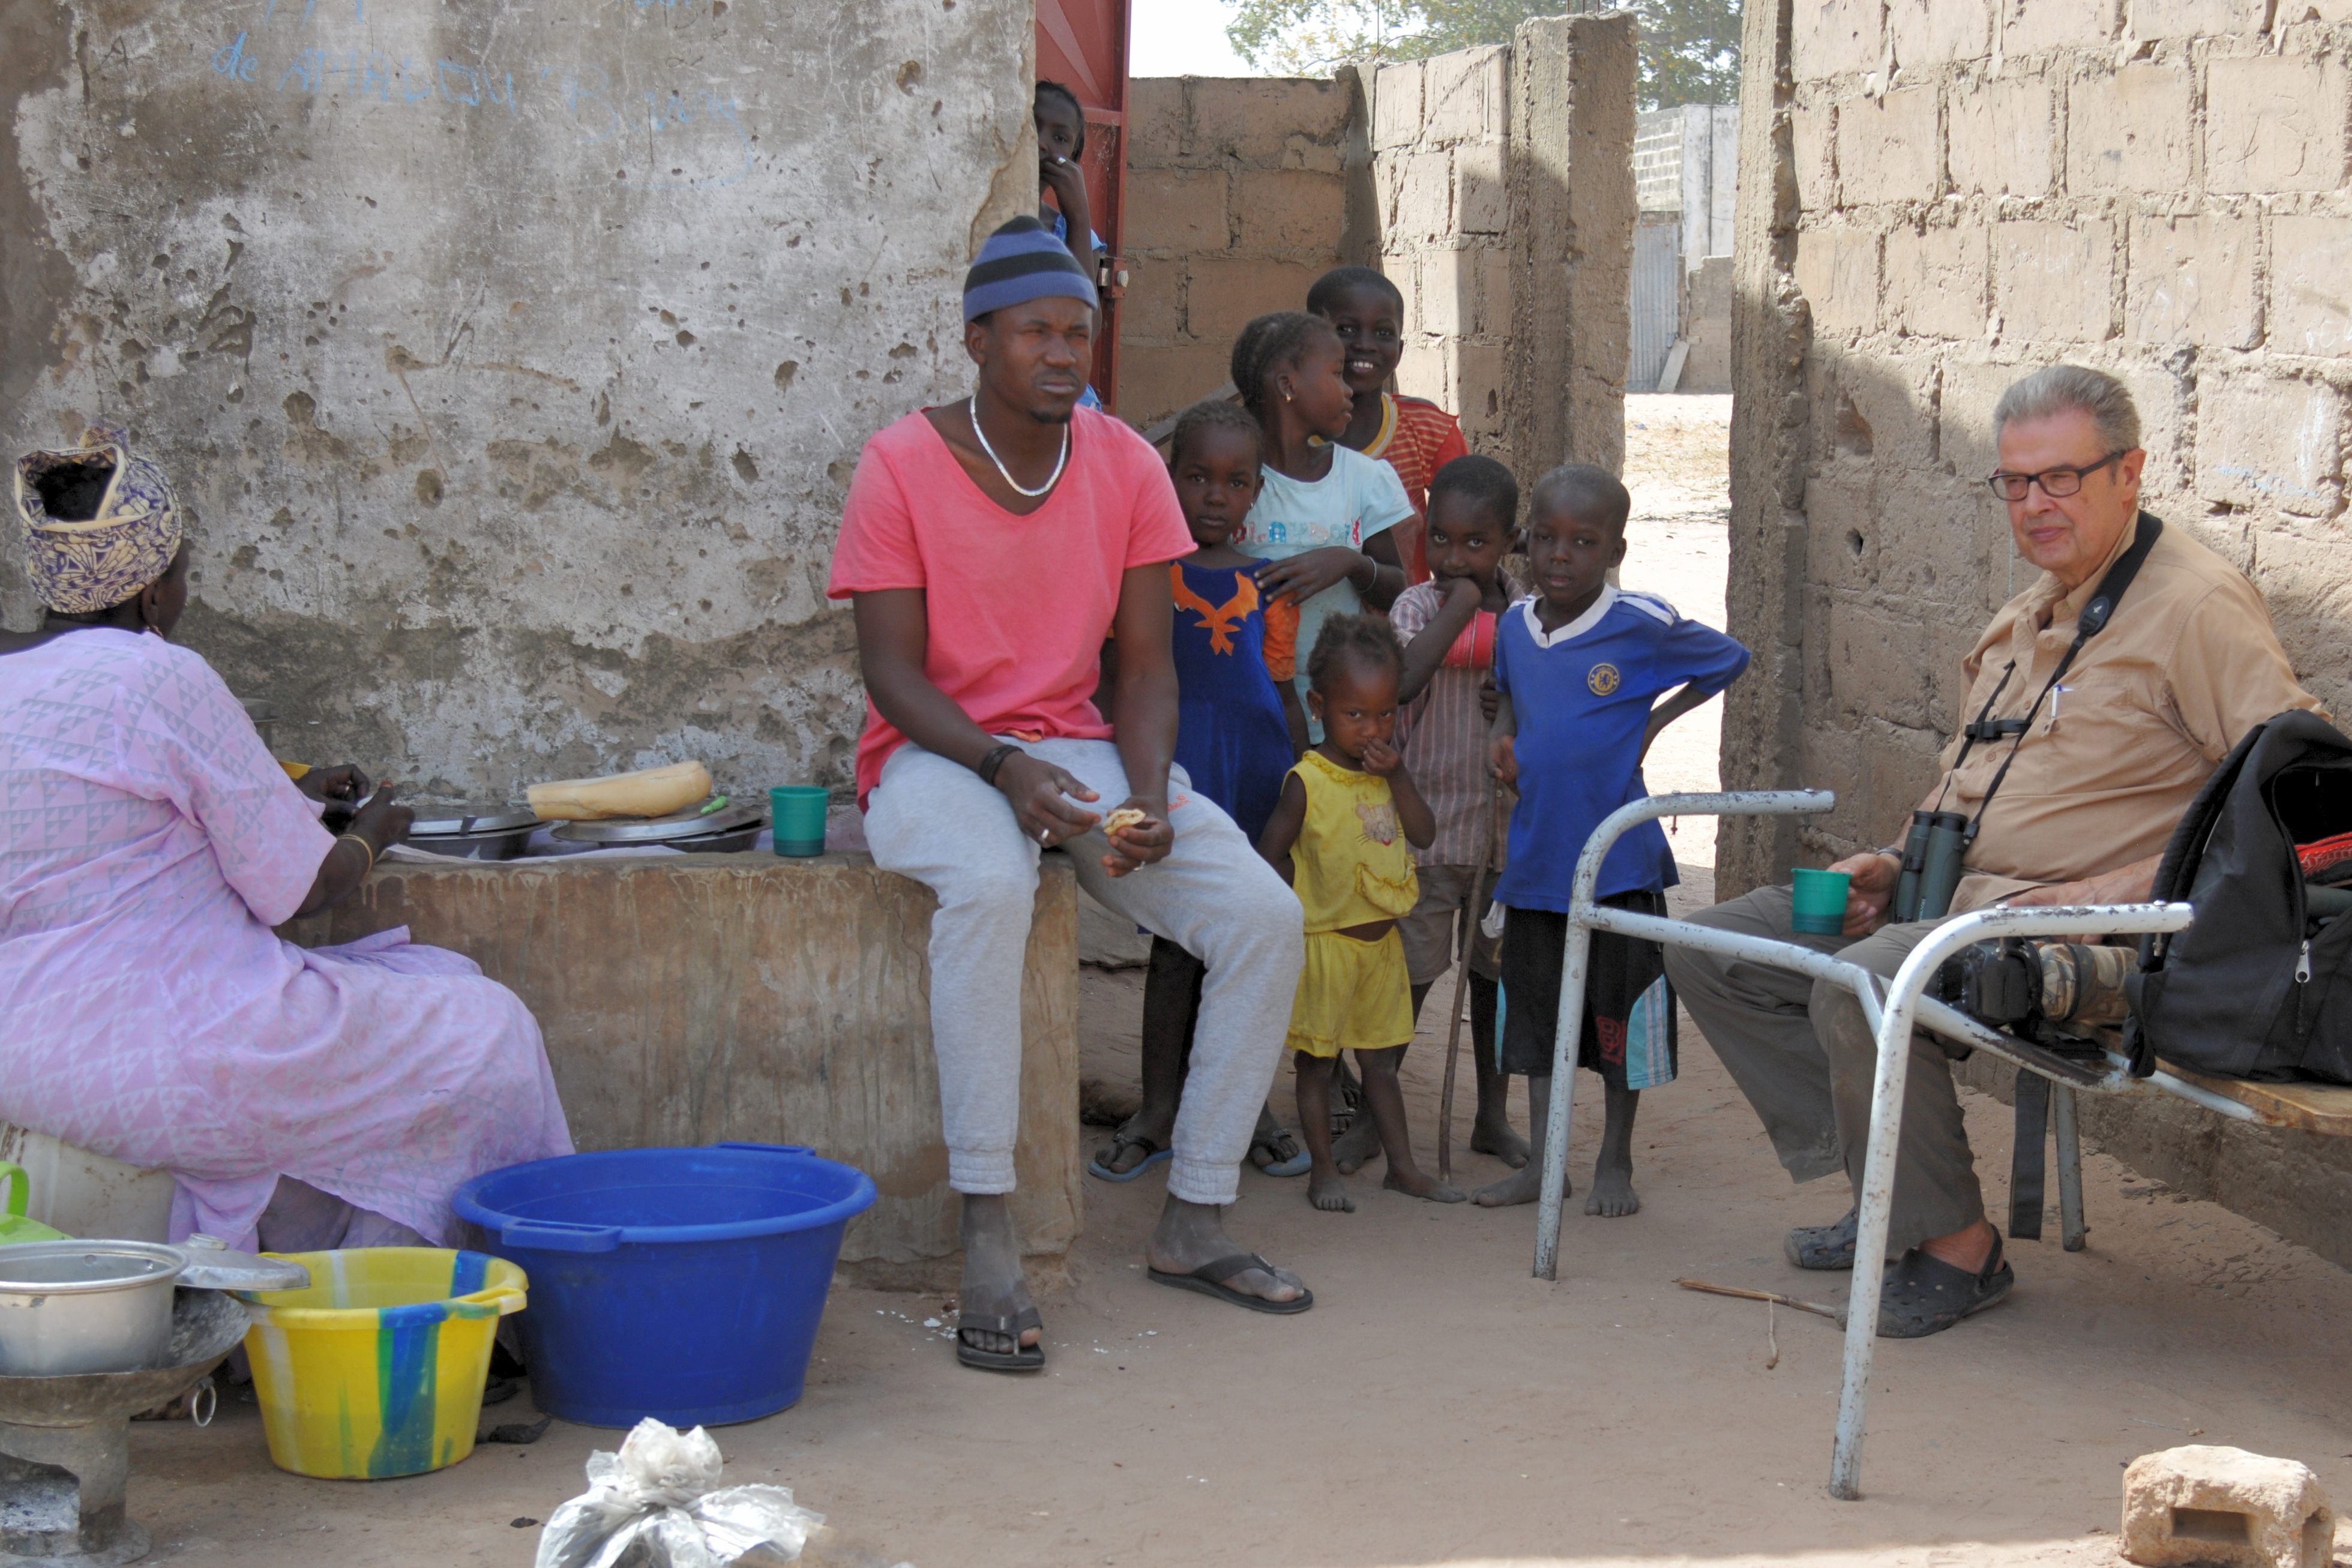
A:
[1579, 669]
[1061, 124]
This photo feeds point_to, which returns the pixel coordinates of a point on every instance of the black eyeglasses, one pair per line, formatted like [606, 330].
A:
[2056, 483]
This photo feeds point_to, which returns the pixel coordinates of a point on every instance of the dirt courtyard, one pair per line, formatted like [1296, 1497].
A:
[1439, 1407]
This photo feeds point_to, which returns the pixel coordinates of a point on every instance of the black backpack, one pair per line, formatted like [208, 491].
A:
[2261, 985]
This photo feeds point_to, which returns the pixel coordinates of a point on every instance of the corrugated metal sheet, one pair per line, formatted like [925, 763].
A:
[1657, 302]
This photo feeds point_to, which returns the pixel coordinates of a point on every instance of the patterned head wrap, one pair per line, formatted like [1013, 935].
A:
[81, 565]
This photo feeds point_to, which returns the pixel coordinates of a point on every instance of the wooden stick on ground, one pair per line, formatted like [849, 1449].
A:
[1835, 1314]
[1469, 934]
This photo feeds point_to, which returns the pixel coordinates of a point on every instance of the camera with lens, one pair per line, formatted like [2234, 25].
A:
[2053, 993]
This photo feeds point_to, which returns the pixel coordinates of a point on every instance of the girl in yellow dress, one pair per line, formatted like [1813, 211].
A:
[1339, 837]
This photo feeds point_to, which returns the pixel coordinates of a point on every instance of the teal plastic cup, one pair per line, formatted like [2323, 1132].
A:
[1820, 900]
[796, 811]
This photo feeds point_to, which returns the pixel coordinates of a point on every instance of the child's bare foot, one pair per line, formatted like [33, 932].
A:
[1356, 1146]
[1328, 1192]
[1497, 1138]
[1522, 1185]
[1613, 1190]
[1418, 1184]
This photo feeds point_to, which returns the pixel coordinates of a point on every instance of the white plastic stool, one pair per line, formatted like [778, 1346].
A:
[89, 1195]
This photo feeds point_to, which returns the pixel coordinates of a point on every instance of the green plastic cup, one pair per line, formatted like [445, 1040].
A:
[796, 811]
[1820, 900]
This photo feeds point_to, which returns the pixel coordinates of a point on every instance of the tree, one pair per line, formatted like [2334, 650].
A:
[1689, 49]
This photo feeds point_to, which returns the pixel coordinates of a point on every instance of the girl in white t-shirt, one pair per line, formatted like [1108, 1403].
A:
[1323, 511]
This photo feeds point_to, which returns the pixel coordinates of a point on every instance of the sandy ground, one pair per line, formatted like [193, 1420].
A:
[1439, 1407]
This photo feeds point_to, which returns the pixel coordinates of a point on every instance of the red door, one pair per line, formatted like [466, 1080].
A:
[1082, 44]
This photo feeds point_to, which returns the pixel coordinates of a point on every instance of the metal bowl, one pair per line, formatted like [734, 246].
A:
[473, 833]
[85, 1306]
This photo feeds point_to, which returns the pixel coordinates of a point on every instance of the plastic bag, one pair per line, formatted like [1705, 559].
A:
[658, 1503]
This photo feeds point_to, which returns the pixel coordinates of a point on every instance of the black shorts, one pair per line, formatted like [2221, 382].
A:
[1629, 1036]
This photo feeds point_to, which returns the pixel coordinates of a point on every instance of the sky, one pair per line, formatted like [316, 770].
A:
[1182, 37]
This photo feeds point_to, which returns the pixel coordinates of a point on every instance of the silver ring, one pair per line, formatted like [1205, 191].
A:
[1045, 835]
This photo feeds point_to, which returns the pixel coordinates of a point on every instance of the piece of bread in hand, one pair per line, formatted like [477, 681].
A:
[1125, 817]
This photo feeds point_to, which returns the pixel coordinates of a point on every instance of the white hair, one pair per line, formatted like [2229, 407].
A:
[2057, 389]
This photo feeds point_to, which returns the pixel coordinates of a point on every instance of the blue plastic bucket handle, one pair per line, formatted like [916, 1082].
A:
[559, 1236]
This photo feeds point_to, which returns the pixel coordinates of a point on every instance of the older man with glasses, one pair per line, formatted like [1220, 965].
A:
[2078, 754]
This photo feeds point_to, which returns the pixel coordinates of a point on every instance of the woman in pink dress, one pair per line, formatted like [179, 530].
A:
[148, 844]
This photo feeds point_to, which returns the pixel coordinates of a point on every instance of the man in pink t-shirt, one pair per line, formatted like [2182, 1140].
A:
[990, 547]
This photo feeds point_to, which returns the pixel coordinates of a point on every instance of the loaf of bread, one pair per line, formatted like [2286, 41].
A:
[648, 792]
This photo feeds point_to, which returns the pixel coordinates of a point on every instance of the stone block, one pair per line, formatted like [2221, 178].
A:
[1153, 309]
[1321, 157]
[1423, 200]
[2192, 281]
[1254, 117]
[2196, 18]
[1837, 272]
[2054, 282]
[1832, 37]
[1156, 380]
[1465, 96]
[2028, 26]
[1843, 534]
[1964, 433]
[2273, 123]
[2224, 1507]
[1937, 32]
[2160, 395]
[2270, 443]
[1291, 210]
[1427, 371]
[1482, 198]
[2311, 286]
[1495, 319]
[1877, 406]
[1886, 147]
[1159, 121]
[1176, 210]
[1936, 281]
[1402, 267]
[659, 987]
[1449, 286]
[1877, 662]
[1396, 106]
[2129, 131]
[1225, 292]
[1479, 371]
[2001, 133]
[1809, 134]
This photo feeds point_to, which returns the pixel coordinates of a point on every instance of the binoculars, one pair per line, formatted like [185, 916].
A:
[1932, 853]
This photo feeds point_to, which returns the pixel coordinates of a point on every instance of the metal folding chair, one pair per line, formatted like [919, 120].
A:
[1903, 1007]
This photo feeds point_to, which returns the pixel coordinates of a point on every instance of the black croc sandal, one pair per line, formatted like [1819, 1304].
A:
[1027, 1358]
[1924, 1295]
[1209, 1279]
[1824, 1247]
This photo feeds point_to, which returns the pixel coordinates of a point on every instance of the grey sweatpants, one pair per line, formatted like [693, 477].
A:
[934, 820]
[1802, 1053]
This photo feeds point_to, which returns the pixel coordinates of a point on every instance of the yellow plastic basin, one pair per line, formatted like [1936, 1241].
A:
[376, 1369]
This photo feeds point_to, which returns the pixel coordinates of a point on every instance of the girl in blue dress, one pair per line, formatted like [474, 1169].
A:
[1238, 730]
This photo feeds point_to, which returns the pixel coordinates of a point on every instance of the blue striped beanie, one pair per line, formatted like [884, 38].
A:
[1021, 262]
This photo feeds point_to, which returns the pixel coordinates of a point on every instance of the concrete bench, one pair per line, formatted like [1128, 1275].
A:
[690, 999]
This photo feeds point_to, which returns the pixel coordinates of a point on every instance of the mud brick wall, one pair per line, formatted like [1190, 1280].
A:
[1238, 198]
[513, 356]
[1938, 197]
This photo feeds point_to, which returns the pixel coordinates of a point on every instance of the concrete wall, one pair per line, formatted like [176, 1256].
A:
[1239, 197]
[694, 999]
[1506, 191]
[513, 356]
[1936, 200]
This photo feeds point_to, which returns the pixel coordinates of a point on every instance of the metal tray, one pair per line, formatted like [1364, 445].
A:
[693, 822]
[442, 821]
[727, 844]
[504, 845]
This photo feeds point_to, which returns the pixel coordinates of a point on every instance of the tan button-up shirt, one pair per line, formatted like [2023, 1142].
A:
[2188, 664]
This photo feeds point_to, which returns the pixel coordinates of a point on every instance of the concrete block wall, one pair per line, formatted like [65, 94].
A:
[1441, 136]
[1938, 198]
[1238, 198]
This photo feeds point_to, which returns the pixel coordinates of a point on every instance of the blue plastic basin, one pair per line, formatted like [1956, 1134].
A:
[684, 1285]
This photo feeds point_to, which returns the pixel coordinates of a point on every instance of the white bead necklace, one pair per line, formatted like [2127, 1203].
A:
[1005, 473]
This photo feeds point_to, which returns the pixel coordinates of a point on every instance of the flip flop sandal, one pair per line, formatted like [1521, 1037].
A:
[1153, 1155]
[1209, 1279]
[1297, 1164]
[1028, 1358]
[1826, 1246]
[1924, 1295]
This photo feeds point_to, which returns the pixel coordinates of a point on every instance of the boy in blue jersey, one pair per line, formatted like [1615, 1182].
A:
[1580, 666]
